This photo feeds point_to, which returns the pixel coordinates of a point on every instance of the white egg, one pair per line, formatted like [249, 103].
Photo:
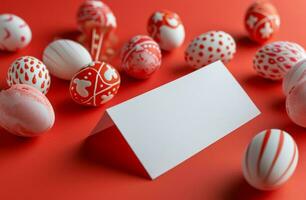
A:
[64, 58]
[294, 76]
[15, 33]
[31, 71]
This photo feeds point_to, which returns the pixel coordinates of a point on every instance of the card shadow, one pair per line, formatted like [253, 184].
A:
[109, 149]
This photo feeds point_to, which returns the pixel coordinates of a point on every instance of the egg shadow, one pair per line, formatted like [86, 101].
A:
[260, 83]
[109, 149]
[279, 104]
[239, 189]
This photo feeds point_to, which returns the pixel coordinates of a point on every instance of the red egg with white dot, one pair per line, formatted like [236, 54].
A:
[274, 60]
[31, 71]
[95, 85]
[141, 57]
[262, 21]
[167, 29]
[210, 47]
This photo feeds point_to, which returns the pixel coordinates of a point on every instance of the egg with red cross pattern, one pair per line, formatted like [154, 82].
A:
[15, 33]
[274, 60]
[261, 21]
[95, 85]
[270, 159]
[31, 71]
[210, 47]
[167, 29]
[140, 57]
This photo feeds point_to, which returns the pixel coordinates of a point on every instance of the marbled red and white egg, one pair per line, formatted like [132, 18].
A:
[270, 159]
[141, 57]
[296, 104]
[15, 33]
[95, 85]
[95, 14]
[294, 76]
[64, 58]
[262, 21]
[31, 71]
[167, 29]
[275, 59]
[210, 47]
[25, 111]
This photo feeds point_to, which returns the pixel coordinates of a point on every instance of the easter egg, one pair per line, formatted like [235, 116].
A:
[95, 85]
[25, 111]
[270, 159]
[296, 104]
[93, 14]
[31, 71]
[210, 47]
[261, 21]
[64, 58]
[15, 33]
[167, 29]
[141, 57]
[274, 60]
[294, 76]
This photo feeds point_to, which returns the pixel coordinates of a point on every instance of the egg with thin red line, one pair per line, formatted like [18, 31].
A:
[210, 47]
[31, 71]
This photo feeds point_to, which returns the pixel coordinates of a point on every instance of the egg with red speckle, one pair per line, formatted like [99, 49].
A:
[261, 21]
[140, 57]
[25, 111]
[210, 47]
[296, 104]
[167, 29]
[274, 60]
[270, 159]
[95, 85]
[15, 33]
[294, 76]
[31, 71]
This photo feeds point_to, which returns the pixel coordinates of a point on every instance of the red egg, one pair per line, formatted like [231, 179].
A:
[274, 60]
[262, 21]
[141, 57]
[95, 85]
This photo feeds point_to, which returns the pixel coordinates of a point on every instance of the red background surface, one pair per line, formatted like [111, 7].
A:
[63, 164]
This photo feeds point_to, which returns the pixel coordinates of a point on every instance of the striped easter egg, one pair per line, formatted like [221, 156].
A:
[270, 159]
[64, 58]
[294, 76]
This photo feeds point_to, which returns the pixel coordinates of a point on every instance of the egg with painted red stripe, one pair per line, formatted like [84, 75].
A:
[294, 76]
[141, 57]
[210, 47]
[15, 33]
[270, 159]
[262, 21]
[64, 58]
[274, 60]
[31, 71]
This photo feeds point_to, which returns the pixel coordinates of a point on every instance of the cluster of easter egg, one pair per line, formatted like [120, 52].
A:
[272, 155]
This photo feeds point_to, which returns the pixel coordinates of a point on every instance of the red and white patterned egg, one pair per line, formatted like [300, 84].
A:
[270, 159]
[167, 29]
[294, 76]
[141, 57]
[262, 21]
[95, 14]
[15, 33]
[95, 85]
[210, 47]
[274, 60]
[31, 71]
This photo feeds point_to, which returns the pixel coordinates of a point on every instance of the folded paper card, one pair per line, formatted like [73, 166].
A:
[171, 123]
